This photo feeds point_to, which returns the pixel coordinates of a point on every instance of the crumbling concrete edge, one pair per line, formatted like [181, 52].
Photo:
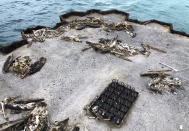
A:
[16, 44]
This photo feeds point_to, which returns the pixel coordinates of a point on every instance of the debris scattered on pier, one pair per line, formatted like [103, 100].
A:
[36, 66]
[23, 66]
[122, 26]
[74, 38]
[147, 48]
[162, 82]
[119, 49]
[41, 34]
[63, 126]
[36, 118]
[115, 47]
[93, 22]
[113, 104]
[8, 63]
[17, 106]
[16, 125]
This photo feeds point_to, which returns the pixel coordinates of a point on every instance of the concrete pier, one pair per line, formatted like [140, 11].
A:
[71, 79]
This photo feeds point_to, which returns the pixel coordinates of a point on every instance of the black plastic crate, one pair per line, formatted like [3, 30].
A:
[114, 102]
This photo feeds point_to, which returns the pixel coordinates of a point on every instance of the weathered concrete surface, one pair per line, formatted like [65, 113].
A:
[71, 78]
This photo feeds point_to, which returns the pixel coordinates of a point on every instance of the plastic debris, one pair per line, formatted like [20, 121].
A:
[23, 66]
[169, 67]
[181, 127]
[113, 103]
[162, 82]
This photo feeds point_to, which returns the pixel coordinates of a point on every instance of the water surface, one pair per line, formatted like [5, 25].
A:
[16, 15]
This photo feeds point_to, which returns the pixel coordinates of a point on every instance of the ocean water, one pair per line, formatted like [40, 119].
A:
[16, 15]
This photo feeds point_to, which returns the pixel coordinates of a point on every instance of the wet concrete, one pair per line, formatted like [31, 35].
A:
[71, 78]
